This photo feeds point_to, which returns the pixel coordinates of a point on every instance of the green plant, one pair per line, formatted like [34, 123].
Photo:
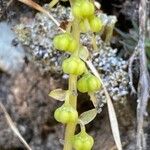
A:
[84, 20]
[83, 9]
[69, 41]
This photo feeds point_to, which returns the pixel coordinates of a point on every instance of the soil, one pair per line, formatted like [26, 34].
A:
[24, 93]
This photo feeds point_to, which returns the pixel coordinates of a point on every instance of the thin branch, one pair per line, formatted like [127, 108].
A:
[130, 65]
[13, 127]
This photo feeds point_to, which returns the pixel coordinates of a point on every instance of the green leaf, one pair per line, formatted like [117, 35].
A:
[88, 116]
[58, 94]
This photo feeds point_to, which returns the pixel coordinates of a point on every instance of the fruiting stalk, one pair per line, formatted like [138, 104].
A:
[75, 67]
[70, 128]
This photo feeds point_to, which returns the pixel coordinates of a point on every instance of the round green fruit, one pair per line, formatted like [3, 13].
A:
[83, 9]
[65, 42]
[83, 141]
[66, 114]
[93, 83]
[87, 9]
[95, 24]
[88, 83]
[73, 65]
[61, 41]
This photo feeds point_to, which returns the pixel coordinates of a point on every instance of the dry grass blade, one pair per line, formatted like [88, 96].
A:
[111, 110]
[13, 127]
[41, 9]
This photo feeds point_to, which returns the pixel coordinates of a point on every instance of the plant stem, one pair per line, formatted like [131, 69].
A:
[70, 128]
[73, 90]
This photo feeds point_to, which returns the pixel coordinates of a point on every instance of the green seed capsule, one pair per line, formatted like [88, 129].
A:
[65, 42]
[83, 141]
[83, 9]
[87, 9]
[88, 83]
[95, 24]
[78, 144]
[73, 65]
[82, 84]
[61, 41]
[66, 114]
[93, 84]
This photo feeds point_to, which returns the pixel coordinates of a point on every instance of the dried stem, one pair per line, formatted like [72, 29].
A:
[13, 127]
[130, 65]
[70, 128]
[143, 87]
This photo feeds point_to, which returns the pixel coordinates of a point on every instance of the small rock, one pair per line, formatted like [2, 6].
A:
[11, 56]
